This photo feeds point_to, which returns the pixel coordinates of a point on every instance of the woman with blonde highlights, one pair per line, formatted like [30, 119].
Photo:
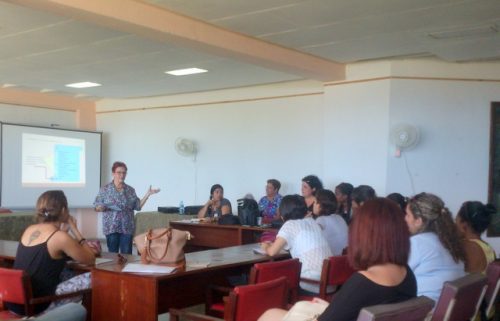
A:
[436, 254]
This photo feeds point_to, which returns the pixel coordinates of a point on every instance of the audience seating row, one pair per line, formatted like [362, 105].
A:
[460, 299]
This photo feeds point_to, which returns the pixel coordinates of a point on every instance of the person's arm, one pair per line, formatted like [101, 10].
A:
[150, 192]
[203, 211]
[76, 248]
[274, 248]
[99, 201]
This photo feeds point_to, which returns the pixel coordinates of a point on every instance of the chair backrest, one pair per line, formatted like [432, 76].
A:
[336, 271]
[460, 299]
[493, 275]
[290, 269]
[249, 302]
[415, 309]
[15, 287]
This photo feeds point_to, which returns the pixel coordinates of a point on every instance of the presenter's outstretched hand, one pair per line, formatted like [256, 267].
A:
[152, 191]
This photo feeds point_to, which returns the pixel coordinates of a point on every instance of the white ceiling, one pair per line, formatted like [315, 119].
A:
[43, 51]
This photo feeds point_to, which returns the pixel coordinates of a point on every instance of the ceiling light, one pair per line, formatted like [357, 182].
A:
[187, 71]
[85, 84]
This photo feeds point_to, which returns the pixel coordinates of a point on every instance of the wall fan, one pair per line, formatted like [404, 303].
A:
[185, 147]
[404, 136]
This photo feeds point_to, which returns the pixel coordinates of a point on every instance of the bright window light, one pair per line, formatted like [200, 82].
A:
[187, 71]
[85, 84]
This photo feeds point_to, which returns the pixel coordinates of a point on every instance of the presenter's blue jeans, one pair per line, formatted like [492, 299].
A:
[119, 241]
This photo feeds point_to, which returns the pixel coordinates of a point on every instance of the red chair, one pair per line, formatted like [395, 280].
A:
[15, 287]
[245, 303]
[336, 271]
[261, 272]
[460, 299]
[415, 309]
[493, 275]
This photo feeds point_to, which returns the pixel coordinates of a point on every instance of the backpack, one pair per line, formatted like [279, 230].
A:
[248, 211]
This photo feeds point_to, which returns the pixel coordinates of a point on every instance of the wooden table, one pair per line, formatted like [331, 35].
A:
[131, 296]
[212, 235]
[8, 251]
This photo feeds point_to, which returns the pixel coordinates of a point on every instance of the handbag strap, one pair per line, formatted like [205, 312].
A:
[150, 237]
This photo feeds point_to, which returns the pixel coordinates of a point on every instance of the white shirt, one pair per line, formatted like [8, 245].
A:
[432, 264]
[334, 230]
[306, 242]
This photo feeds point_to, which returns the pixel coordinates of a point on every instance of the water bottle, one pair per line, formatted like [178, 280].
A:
[181, 208]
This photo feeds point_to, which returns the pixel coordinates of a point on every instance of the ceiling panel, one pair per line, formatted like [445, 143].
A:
[41, 50]
[18, 19]
[216, 9]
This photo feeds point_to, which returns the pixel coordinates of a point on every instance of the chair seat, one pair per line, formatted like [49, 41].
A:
[7, 315]
[219, 306]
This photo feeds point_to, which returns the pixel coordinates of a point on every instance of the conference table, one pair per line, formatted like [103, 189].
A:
[8, 251]
[123, 296]
[213, 235]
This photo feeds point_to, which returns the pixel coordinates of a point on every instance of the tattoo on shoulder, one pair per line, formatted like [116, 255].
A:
[34, 236]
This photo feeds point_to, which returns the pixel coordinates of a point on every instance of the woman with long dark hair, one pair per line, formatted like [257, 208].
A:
[436, 254]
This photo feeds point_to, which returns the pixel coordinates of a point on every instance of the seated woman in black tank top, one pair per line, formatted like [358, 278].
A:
[45, 247]
[380, 255]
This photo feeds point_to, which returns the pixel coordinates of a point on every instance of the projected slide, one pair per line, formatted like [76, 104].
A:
[49, 161]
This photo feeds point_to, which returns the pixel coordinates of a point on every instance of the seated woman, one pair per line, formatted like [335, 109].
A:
[401, 200]
[380, 255]
[359, 196]
[217, 205]
[46, 246]
[303, 237]
[269, 204]
[436, 254]
[333, 226]
[310, 184]
[343, 193]
[472, 220]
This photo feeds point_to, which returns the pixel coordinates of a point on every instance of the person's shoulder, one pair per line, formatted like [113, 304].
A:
[106, 186]
[424, 239]
[262, 199]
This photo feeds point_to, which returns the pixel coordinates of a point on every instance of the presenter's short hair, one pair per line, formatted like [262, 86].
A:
[118, 164]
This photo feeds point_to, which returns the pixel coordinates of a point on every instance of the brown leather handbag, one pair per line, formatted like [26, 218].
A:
[163, 246]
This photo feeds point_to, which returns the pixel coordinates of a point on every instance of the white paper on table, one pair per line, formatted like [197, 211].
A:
[259, 250]
[100, 260]
[198, 264]
[147, 268]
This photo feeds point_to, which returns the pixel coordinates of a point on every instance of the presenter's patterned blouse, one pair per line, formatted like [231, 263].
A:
[118, 216]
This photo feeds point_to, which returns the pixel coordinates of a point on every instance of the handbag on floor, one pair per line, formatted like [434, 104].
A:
[163, 246]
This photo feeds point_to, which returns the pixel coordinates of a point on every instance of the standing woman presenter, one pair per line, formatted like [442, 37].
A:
[117, 201]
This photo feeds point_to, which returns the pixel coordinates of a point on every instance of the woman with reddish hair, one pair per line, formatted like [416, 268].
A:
[118, 201]
[379, 244]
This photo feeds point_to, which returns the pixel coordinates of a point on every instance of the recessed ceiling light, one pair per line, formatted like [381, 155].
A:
[187, 71]
[85, 84]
